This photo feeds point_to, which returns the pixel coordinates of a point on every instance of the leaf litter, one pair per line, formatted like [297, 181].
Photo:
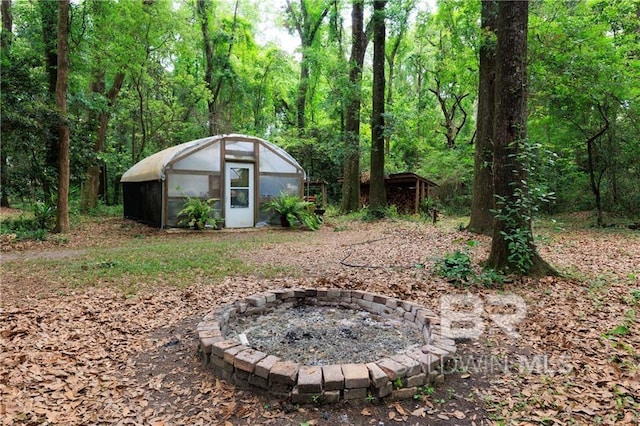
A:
[96, 356]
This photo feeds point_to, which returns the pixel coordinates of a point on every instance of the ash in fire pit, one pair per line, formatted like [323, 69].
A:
[324, 345]
[323, 335]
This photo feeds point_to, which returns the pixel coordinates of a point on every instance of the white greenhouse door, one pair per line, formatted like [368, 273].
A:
[239, 195]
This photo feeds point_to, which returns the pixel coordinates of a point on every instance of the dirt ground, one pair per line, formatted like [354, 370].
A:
[94, 355]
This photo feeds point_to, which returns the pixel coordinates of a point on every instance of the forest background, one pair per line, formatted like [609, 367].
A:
[146, 75]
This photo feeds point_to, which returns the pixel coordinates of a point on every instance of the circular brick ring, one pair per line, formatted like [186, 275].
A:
[392, 377]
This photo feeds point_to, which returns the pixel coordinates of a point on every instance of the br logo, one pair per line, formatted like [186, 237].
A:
[462, 316]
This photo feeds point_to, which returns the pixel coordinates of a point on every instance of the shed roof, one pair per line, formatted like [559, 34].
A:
[395, 178]
[408, 177]
[153, 168]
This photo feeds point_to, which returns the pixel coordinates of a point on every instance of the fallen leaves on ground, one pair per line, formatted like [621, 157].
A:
[95, 356]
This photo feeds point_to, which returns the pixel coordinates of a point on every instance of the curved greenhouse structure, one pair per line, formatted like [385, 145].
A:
[241, 172]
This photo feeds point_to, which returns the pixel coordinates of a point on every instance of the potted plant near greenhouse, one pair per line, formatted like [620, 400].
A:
[196, 214]
[291, 209]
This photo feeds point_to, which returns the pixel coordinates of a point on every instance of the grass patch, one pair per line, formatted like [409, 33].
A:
[175, 262]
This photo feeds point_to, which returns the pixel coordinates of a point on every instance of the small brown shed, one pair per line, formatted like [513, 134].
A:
[404, 190]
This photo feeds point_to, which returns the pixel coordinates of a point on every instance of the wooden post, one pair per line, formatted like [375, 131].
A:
[417, 201]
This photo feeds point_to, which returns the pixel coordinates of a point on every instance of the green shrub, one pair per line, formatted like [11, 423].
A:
[371, 215]
[23, 228]
[456, 267]
[292, 209]
[44, 214]
[196, 213]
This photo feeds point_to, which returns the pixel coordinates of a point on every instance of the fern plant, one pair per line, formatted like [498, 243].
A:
[291, 210]
[196, 213]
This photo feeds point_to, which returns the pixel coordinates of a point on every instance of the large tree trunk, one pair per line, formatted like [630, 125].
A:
[5, 44]
[62, 224]
[208, 56]
[482, 201]
[351, 182]
[377, 193]
[351, 170]
[512, 246]
[49, 20]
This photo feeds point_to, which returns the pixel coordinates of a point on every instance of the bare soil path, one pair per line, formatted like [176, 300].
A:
[94, 355]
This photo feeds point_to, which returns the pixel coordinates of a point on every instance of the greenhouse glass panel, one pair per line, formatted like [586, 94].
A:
[272, 162]
[173, 208]
[207, 159]
[239, 149]
[239, 177]
[180, 185]
[273, 186]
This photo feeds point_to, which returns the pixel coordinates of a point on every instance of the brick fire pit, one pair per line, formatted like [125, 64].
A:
[394, 376]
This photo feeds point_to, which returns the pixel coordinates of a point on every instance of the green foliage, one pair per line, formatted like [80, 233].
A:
[620, 330]
[515, 213]
[159, 47]
[371, 215]
[44, 214]
[293, 210]
[196, 213]
[23, 229]
[31, 227]
[457, 268]
[429, 207]
[575, 93]
[423, 391]
[516, 235]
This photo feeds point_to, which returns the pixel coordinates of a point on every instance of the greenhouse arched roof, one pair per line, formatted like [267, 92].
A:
[153, 168]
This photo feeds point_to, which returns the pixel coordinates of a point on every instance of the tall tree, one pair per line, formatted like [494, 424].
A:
[215, 79]
[101, 42]
[306, 19]
[5, 45]
[399, 17]
[512, 245]
[351, 176]
[49, 20]
[377, 193]
[585, 101]
[92, 183]
[481, 221]
[62, 222]
[453, 33]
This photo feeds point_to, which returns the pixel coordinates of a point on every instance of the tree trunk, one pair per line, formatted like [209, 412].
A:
[351, 182]
[451, 129]
[482, 201]
[377, 193]
[307, 27]
[49, 20]
[91, 188]
[5, 44]
[208, 56]
[512, 246]
[391, 60]
[62, 225]
[303, 88]
[594, 181]
[214, 86]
